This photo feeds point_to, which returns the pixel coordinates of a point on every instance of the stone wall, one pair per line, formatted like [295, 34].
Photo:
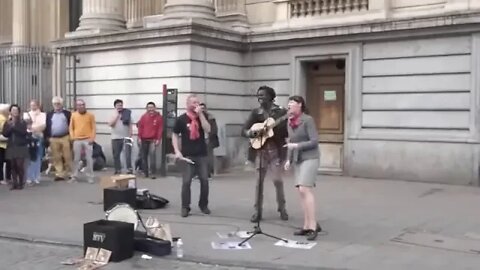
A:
[418, 111]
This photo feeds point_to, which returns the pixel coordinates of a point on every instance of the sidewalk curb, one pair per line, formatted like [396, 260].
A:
[190, 259]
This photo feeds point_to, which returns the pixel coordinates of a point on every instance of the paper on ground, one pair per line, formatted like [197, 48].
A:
[296, 244]
[230, 245]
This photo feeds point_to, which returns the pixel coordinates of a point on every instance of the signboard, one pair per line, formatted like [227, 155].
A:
[330, 95]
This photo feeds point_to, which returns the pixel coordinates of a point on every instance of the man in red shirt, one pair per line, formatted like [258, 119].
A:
[150, 128]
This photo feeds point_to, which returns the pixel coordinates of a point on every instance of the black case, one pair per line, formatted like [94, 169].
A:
[152, 246]
[113, 196]
[115, 236]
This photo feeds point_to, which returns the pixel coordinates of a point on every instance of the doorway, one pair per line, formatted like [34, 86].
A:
[326, 102]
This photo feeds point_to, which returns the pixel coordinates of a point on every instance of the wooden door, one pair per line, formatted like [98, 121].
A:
[325, 100]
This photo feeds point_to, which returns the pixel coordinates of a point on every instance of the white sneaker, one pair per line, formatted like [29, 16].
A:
[72, 180]
[36, 182]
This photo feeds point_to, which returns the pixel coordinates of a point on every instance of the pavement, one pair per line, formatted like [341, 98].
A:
[21, 255]
[363, 220]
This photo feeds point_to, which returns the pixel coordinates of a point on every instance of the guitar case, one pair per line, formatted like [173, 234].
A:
[151, 245]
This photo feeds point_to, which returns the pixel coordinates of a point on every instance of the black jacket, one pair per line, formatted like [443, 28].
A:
[213, 140]
[16, 133]
[47, 133]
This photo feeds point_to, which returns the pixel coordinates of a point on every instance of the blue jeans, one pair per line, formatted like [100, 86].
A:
[34, 167]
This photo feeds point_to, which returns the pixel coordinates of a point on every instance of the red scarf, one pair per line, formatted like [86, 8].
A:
[294, 121]
[194, 126]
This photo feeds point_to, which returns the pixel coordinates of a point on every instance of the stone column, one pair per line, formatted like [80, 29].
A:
[159, 5]
[474, 4]
[282, 13]
[21, 23]
[60, 19]
[101, 16]
[136, 10]
[381, 7]
[6, 21]
[233, 13]
[176, 11]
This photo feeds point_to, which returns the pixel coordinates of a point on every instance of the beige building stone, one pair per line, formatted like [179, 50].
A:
[406, 70]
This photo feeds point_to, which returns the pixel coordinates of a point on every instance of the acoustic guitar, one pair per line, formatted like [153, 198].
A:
[267, 128]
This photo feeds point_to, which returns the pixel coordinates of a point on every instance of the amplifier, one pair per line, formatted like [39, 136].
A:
[115, 236]
[115, 195]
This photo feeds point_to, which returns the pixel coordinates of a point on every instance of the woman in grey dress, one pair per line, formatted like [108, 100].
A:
[15, 129]
[303, 156]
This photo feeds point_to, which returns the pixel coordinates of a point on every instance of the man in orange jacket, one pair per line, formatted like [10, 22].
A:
[150, 128]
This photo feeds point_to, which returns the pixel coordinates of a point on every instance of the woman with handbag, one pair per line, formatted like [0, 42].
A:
[15, 129]
[36, 125]
[4, 174]
[304, 155]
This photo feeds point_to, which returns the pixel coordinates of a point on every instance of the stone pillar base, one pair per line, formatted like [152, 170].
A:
[236, 20]
[186, 10]
[102, 22]
[92, 24]
[135, 24]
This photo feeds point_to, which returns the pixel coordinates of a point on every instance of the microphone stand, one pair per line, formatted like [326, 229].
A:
[257, 229]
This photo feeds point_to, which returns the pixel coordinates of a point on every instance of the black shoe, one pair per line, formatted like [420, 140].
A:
[59, 179]
[205, 210]
[116, 173]
[130, 171]
[302, 232]
[283, 214]
[255, 218]
[185, 212]
[311, 235]
[153, 177]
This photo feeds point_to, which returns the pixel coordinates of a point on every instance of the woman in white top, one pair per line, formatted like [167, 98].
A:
[37, 122]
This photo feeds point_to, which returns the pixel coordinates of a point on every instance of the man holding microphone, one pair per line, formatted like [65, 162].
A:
[189, 144]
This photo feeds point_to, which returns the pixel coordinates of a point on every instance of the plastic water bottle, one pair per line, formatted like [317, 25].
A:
[179, 248]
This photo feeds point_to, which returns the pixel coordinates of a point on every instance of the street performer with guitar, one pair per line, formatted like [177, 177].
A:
[267, 129]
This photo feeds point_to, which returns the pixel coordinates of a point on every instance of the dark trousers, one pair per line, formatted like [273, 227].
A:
[4, 175]
[18, 172]
[269, 166]
[200, 168]
[117, 148]
[149, 149]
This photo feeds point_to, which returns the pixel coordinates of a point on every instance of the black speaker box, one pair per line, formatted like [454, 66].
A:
[115, 236]
[115, 195]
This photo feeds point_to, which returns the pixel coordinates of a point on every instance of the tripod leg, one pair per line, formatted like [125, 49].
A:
[250, 237]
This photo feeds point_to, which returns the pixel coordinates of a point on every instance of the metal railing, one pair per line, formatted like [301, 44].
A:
[304, 8]
[34, 73]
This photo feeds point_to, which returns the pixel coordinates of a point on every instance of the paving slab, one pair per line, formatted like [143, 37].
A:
[360, 218]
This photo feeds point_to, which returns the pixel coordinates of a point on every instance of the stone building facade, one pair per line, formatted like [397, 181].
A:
[391, 83]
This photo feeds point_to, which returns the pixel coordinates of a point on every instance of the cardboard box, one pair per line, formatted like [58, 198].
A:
[121, 180]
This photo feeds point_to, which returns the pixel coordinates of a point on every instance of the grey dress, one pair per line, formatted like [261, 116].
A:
[304, 159]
